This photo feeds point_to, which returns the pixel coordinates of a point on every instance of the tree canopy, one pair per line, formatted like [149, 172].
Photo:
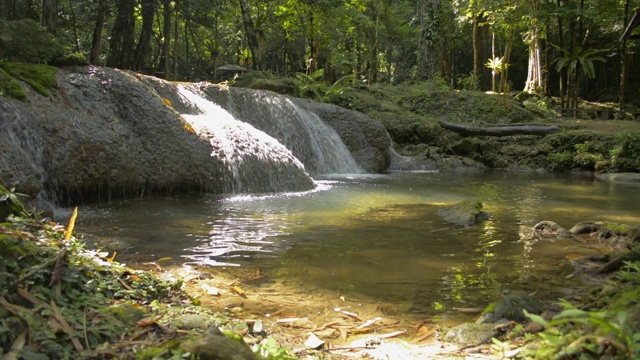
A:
[566, 48]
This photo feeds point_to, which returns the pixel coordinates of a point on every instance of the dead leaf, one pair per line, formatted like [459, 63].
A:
[110, 259]
[145, 322]
[239, 291]
[350, 314]
[72, 223]
[367, 323]
[313, 342]
[391, 334]
[189, 128]
[167, 101]
[210, 290]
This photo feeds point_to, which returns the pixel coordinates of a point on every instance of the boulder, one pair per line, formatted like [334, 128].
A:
[465, 213]
[467, 334]
[510, 307]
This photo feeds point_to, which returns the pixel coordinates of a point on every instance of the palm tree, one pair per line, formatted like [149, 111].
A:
[572, 61]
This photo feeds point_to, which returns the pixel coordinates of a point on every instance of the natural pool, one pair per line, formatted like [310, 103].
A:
[379, 236]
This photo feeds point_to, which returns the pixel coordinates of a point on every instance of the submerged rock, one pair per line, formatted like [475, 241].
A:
[465, 213]
[471, 334]
[510, 308]
[214, 345]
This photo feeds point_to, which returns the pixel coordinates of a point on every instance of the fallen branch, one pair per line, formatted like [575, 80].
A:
[538, 130]
[45, 264]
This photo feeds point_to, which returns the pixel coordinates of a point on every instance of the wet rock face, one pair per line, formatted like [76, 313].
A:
[367, 139]
[106, 133]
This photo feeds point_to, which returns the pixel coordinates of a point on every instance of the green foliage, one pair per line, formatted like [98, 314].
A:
[40, 77]
[612, 329]
[580, 58]
[26, 41]
[269, 349]
[625, 155]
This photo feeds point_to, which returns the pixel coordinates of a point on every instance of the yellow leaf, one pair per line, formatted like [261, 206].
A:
[238, 290]
[72, 223]
[110, 260]
[189, 128]
[167, 101]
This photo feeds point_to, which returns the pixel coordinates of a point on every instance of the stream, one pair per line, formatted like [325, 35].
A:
[378, 236]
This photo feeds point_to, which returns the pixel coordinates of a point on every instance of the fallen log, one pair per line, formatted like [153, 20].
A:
[538, 130]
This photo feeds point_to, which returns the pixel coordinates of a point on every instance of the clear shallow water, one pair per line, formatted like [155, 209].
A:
[379, 235]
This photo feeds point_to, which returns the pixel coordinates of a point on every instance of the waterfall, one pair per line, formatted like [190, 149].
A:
[309, 138]
[254, 161]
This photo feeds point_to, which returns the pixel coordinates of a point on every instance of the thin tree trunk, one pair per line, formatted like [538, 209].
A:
[96, 43]
[250, 31]
[166, 32]
[175, 40]
[623, 55]
[148, 11]
[430, 52]
[49, 15]
[122, 42]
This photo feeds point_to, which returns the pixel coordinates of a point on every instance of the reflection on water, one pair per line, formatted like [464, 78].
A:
[380, 235]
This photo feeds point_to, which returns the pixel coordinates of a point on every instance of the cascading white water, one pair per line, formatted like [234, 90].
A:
[309, 138]
[250, 155]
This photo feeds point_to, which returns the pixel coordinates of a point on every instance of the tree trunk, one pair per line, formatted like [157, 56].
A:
[481, 53]
[623, 62]
[537, 130]
[166, 32]
[148, 11]
[122, 42]
[250, 31]
[96, 43]
[50, 15]
[429, 49]
[534, 73]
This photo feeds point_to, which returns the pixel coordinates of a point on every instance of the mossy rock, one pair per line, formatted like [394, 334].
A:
[9, 86]
[75, 59]
[9, 204]
[40, 77]
[465, 213]
[471, 334]
[510, 307]
[26, 41]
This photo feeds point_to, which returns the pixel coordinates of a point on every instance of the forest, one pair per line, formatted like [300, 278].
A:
[566, 48]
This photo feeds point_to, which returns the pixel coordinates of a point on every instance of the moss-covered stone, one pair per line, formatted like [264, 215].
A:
[9, 204]
[40, 77]
[74, 59]
[26, 41]
[10, 87]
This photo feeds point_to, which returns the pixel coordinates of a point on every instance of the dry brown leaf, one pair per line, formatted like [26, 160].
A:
[145, 322]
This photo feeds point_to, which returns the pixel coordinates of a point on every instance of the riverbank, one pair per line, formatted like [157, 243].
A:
[413, 115]
[81, 302]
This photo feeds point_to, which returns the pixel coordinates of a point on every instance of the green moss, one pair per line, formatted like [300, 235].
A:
[75, 59]
[10, 86]
[490, 308]
[40, 77]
